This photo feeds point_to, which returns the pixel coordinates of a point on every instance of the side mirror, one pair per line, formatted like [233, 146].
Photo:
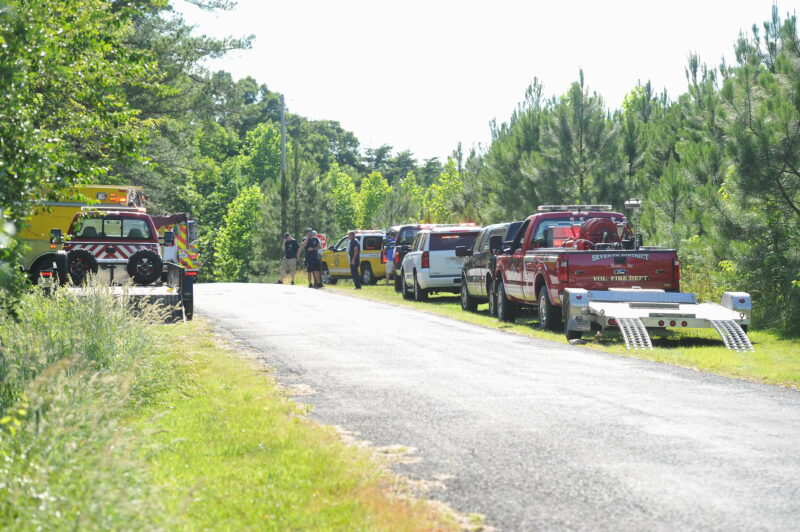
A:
[509, 246]
[330, 248]
[541, 242]
[56, 237]
[495, 243]
[169, 239]
[463, 251]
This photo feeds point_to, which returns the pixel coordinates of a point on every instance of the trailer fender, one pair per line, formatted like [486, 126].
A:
[575, 309]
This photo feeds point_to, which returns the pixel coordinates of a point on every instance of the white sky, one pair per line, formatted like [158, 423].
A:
[424, 75]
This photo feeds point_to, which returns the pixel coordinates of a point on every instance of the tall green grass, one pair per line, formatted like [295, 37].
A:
[70, 367]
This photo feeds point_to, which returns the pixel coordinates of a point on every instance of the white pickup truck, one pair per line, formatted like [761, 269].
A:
[432, 264]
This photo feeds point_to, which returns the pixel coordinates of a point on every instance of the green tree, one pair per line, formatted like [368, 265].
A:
[234, 247]
[372, 194]
[343, 199]
[441, 196]
[580, 151]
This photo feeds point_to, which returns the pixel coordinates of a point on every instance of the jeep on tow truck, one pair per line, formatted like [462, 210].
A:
[121, 245]
[585, 263]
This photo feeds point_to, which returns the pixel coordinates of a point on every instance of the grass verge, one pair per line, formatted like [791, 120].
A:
[776, 360]
[231, 452]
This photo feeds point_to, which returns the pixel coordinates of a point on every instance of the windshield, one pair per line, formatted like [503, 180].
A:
[116, 228]
[447, 241]
[406, 236]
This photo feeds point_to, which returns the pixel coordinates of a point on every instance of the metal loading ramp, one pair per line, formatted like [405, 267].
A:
[733, 335]
[634, 333]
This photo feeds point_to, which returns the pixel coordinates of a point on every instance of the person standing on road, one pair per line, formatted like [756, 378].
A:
[354, 250]
[291, 254]
[313, 263]
[391, 239]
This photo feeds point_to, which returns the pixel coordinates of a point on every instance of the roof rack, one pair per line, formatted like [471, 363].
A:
[573, 208]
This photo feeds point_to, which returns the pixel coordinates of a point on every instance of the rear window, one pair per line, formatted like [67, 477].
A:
[406, 236]
[116, 228]
[373, 243]
[446, 241]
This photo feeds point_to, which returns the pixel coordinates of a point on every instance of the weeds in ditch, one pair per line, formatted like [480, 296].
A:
[70, 366]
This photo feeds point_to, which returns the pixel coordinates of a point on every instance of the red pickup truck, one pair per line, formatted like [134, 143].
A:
[576, 246]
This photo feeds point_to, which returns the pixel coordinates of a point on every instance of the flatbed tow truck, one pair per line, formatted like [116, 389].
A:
[584, 268]
[122, 247]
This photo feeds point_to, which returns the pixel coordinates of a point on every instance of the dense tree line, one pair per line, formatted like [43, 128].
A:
[113, 91]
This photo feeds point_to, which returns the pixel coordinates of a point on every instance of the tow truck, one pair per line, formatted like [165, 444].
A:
[122, 246]
[584, 267]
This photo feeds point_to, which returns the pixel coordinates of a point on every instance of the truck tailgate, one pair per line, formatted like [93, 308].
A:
[600, 270]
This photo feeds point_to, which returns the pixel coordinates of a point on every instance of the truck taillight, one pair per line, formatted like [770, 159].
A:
[383, 256]
[396, 257]
[426, 259]
[676, 269]
[562, 270]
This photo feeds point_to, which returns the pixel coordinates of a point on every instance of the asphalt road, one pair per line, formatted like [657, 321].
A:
[533, 434]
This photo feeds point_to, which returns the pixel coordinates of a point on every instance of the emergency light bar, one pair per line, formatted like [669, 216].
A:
[573, 208]
[111, 207]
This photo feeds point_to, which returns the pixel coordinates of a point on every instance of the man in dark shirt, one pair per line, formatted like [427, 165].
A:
[354, 250]
[313, 264]
[291, 254]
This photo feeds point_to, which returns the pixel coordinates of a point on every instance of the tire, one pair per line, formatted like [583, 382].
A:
[492, 296]
[549, 314]
[506, 309]
[420, 294]
[367, 277]
[81, 264]
[62, 267]
[398, 283]
[145, 267]
[406, 292]
[325, 275]
[468, 303]
[42, 263]
[570, 334]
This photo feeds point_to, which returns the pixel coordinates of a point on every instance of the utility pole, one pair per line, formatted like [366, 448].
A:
[283, 166]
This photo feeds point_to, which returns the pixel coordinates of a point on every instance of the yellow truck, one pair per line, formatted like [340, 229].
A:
[336, 260]
[57, 215]
[49, 215]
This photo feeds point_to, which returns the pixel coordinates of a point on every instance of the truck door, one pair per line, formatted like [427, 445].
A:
[513, 273]
[341, 262]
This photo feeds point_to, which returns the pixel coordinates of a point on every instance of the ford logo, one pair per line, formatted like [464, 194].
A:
[620, 271]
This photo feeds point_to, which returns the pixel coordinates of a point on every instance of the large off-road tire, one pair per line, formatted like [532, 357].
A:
[62, 267]
[41, 264]
[420, 294]
[570, 334]
[407, 294]
[549, 314]
[81, 264]
[506, 309]
[367, 277]
[398, 283]
[145, 267]
[325, 275]
[468, 303]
